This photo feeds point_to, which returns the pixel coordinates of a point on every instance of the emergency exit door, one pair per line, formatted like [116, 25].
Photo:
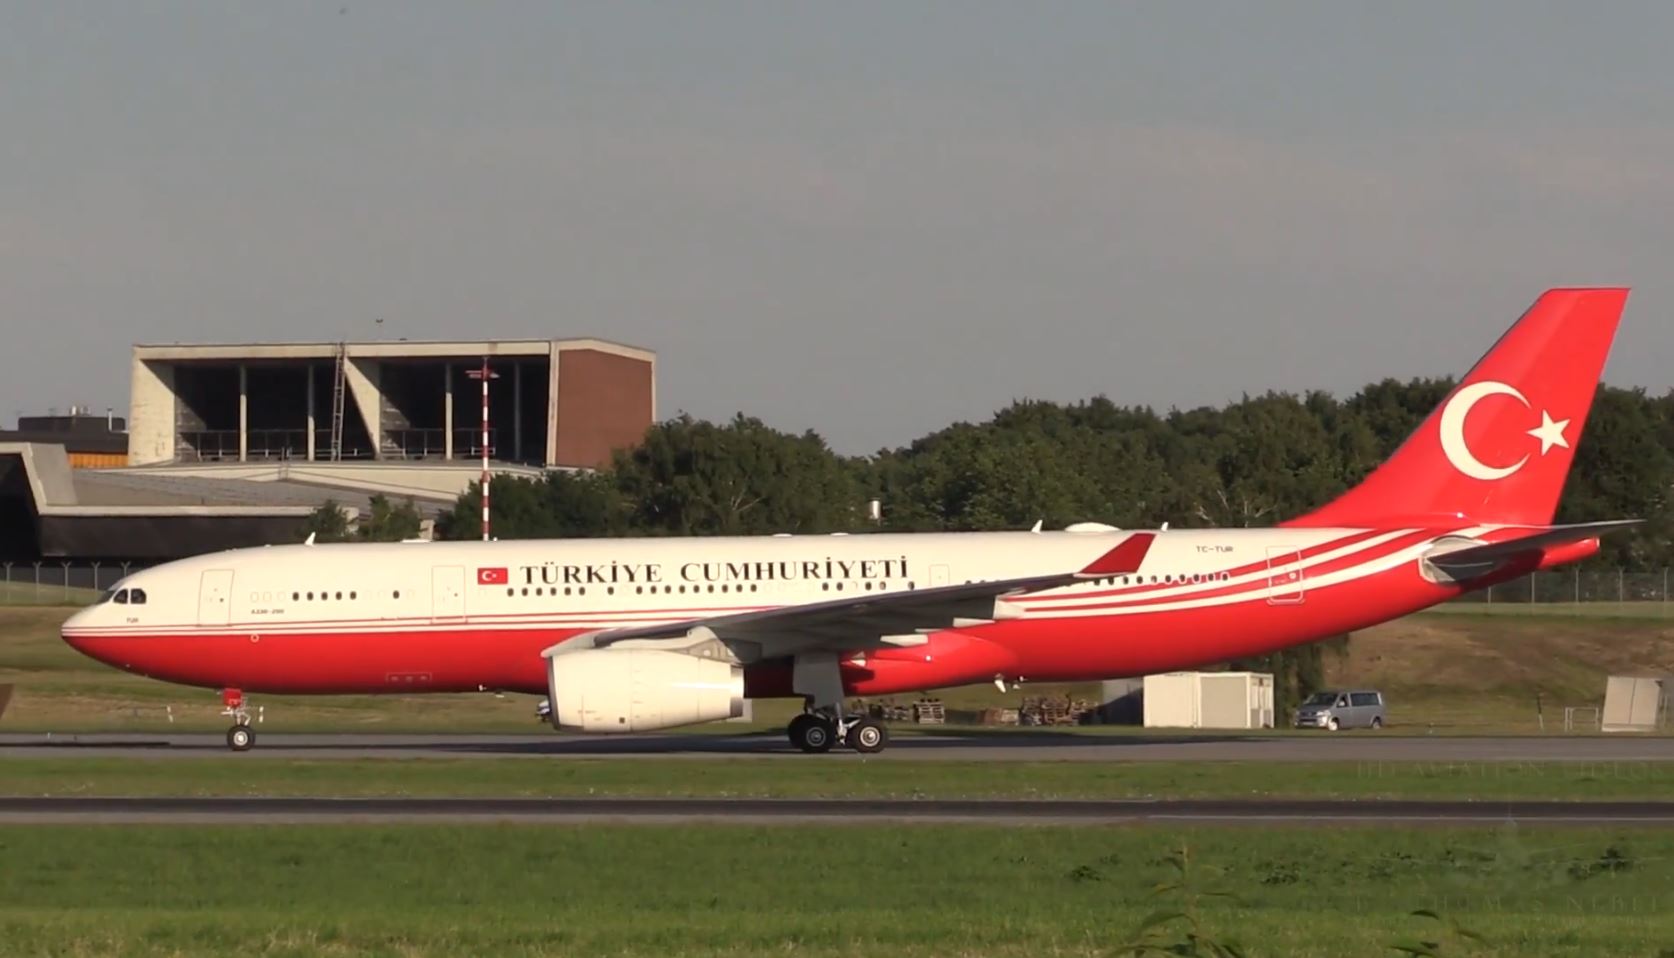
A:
[447, 592]
[215, 597]
[1284, 576]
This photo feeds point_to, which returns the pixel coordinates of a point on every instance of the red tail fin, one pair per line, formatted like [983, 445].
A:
[1498, 449]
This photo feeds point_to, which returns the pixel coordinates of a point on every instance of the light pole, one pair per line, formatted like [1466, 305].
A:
[484, 374]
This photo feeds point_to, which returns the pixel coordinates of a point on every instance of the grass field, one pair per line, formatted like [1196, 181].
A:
[46, 593]
[1459, 670]
[817, 891]
[817, 777]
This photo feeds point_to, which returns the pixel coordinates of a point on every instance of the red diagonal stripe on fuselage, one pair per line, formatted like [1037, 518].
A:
[1254, 586]
[1260, 564]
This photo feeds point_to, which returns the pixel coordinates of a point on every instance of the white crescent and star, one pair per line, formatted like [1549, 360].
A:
[1550, 432]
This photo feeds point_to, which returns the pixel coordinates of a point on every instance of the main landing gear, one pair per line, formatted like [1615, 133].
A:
[819, 732]
[816, 677]
[240, 737]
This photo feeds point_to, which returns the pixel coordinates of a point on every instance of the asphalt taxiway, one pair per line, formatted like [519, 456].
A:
[787, 811]
[1022, 745]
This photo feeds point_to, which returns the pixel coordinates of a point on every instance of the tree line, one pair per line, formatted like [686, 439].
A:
[1253, 462]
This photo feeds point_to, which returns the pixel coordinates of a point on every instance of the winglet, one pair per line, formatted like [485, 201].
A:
[1123, 559]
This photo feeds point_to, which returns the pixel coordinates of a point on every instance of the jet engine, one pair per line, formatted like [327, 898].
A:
[637, 690]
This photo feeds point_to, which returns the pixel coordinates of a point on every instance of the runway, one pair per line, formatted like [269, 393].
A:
[1360, 747]
[255, 811]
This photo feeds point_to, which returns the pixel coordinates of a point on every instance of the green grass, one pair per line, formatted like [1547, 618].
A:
[48, 592]
[791, 776]
[812, 890]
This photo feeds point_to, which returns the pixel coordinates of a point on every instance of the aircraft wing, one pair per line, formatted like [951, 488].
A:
[861, 621]
[1475, 558]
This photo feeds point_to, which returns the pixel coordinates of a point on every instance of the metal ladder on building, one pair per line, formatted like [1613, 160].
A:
[339, 386]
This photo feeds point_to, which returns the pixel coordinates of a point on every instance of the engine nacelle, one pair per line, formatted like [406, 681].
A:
[637, 690]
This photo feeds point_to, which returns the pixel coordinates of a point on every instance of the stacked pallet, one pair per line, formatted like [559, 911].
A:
[1048, 710]
[929, 712]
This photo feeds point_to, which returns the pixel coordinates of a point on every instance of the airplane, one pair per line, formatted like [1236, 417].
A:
[637, 634]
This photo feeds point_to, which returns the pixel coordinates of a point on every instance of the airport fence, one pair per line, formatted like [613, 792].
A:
[54, 582]
[1591, 591]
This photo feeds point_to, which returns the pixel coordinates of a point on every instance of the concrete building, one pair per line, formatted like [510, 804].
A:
[234, 445]
[92, 442]
[555, 403]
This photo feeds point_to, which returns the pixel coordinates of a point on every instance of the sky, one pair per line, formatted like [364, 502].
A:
[868, 219]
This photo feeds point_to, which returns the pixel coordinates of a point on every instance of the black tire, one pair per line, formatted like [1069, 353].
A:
[240, 738]
[1334, 725]
[812, 733]
[1377, 723]
[868, 736]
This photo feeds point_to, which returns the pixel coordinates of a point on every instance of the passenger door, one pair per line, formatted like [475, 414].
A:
[447, 593]
[215, 597]
[1284, 576]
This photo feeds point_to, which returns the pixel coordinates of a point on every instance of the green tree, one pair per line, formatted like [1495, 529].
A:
[385, 522]
[390, 522]
[691, 477]
[328, 523]
[556, 506]
[1622, 469]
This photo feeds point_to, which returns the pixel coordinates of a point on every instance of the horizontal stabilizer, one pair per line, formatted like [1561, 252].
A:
[1472, 557]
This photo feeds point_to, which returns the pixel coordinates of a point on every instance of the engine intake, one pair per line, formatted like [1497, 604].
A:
[639, 690]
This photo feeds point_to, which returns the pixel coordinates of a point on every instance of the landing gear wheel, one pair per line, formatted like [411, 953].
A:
[240, 738]
[868, 736]
[812, 733]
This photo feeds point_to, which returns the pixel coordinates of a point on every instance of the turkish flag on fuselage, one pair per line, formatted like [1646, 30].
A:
[494, 576]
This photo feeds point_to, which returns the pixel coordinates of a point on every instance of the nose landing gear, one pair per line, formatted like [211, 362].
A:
[240, 737]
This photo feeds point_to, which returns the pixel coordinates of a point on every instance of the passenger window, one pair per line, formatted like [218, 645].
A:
[136, 596]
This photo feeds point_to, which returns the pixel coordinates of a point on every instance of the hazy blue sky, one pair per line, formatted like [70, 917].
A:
[868, 219]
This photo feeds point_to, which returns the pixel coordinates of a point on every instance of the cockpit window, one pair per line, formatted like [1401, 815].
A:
[122, 597]
[106, 596]
[136, 596]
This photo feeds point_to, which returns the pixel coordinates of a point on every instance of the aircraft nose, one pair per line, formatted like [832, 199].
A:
[73, 635]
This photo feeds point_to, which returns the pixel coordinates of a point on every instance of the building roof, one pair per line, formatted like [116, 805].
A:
[111, 442]
[105, 489]
[55, 489]
[381, 349]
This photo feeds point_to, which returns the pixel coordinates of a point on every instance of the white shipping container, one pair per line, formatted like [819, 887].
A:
[1209, 700]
